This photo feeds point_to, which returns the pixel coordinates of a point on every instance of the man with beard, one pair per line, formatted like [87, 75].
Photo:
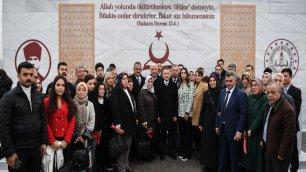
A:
[62, 71]
[99, 72]
[23, 128]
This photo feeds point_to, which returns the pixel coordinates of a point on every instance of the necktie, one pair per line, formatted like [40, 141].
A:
[226, 98]
[139, 80]
[166, 83]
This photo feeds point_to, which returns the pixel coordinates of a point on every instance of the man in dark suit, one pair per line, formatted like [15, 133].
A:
[278, 130]
[230, 123]
[175, 73]
[221, 81]
[220, 62]
[137, 78]
[167, 107]
[297, 97]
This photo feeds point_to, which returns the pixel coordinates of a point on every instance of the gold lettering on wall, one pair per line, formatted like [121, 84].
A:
[76, 36]
[238, 35]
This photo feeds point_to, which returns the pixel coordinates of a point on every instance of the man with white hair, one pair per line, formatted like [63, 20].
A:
[154, 73]
[278, 130]
[279, 78]
[80, 72]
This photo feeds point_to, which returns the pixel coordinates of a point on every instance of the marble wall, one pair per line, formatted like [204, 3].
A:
[194, 43]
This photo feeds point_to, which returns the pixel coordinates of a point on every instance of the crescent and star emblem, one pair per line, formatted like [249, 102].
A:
[157, 59]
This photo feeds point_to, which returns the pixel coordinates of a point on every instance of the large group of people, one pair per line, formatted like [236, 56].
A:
[227, 122]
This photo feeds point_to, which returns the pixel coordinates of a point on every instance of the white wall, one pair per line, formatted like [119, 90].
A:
[121, 42]
[1, 51]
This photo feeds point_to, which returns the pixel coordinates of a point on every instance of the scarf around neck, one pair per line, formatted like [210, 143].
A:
[81, 114]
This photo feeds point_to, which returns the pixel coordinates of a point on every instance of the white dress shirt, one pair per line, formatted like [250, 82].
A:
[286, 88]
[128, 94]
[27, 91]
[166, 83]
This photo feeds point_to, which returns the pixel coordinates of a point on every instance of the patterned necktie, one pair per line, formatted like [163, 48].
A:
[226, 98]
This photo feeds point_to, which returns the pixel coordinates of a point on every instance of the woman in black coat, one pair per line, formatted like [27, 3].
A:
[102, 131]
[124, 117]
[209, 141]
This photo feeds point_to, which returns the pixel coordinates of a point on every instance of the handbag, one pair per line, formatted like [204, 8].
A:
[67, 167]
[117, 146]
[143, 143]
[80, 158]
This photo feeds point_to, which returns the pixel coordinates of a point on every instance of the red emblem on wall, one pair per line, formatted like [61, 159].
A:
[153, 58]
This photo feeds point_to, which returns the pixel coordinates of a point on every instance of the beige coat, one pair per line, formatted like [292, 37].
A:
[197, 102]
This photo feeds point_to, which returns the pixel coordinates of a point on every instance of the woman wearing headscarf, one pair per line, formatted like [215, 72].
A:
[124, 117]
[147, 109]
[85, 118]
[246, 81]
[253, 161]
[147, 104]
[209, 140]
[266, 79]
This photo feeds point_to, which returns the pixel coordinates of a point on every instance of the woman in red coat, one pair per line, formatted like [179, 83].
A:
[60, 111]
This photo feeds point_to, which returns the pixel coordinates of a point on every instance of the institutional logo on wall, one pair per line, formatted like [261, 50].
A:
[281, 54]
[37, 53]
[153, 59]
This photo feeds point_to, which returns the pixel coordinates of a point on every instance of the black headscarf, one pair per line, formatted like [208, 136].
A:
[214, 92]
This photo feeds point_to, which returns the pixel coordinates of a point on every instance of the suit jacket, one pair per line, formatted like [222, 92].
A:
[167, 103]
[176, 81]
[281, 129]
[122, 110]
[136, 86]
[295, 93]
[197, 102]
[235, 114]
[223, 73]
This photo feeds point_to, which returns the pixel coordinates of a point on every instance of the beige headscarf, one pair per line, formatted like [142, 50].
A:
[81, 105]
[260, 84]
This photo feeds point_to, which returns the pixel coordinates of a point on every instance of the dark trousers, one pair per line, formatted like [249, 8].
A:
[30, 160]
[167, 142]
[197, 137]
[273, 164]
[294, 157]
[229, 153]
[185, 130]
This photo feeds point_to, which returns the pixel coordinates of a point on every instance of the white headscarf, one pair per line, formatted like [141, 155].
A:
[146, 83]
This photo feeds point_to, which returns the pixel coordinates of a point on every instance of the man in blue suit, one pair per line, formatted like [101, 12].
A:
[230, 124]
